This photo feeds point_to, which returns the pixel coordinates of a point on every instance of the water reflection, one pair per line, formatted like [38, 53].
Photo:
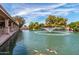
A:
[29, 42]
[20, 48]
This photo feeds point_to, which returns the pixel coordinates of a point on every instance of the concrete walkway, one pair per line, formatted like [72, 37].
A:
[5, 37]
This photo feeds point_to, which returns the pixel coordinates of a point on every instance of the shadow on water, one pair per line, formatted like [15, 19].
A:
[20, 48]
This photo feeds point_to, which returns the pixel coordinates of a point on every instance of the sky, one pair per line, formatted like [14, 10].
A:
[38, 12]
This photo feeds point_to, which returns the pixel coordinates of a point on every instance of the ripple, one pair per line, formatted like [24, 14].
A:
[56, 33]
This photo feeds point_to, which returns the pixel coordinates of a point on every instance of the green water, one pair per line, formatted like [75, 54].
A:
[28, 41]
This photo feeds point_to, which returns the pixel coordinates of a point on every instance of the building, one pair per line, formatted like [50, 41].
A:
[7, 23]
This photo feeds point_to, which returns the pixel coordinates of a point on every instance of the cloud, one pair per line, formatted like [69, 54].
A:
[30, 10]
[64, 12]
[22, 12]
[66, 9]
[56, 6]
[34, 12]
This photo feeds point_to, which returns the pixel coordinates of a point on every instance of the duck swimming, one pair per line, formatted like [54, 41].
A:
[52, 51]
[35, 50]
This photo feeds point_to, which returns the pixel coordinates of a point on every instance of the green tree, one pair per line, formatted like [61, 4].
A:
[56, 21]
[41, 25]
[31, 25]
[19, 20]
[35, 26]
[74, 25]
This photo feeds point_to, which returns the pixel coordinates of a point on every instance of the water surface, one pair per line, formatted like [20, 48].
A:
[28, 41]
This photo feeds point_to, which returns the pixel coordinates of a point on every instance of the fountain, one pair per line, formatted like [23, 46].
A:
[49, 29]
[52, 31]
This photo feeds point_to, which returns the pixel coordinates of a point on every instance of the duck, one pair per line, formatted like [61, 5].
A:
[35, 50]
[52, 51]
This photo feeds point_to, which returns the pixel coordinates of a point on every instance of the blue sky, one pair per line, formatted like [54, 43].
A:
[38, 12]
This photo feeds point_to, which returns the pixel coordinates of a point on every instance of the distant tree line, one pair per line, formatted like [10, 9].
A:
[74, 26]
[51, 21]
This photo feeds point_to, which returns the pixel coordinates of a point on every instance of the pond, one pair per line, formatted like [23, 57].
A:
[41, 42]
